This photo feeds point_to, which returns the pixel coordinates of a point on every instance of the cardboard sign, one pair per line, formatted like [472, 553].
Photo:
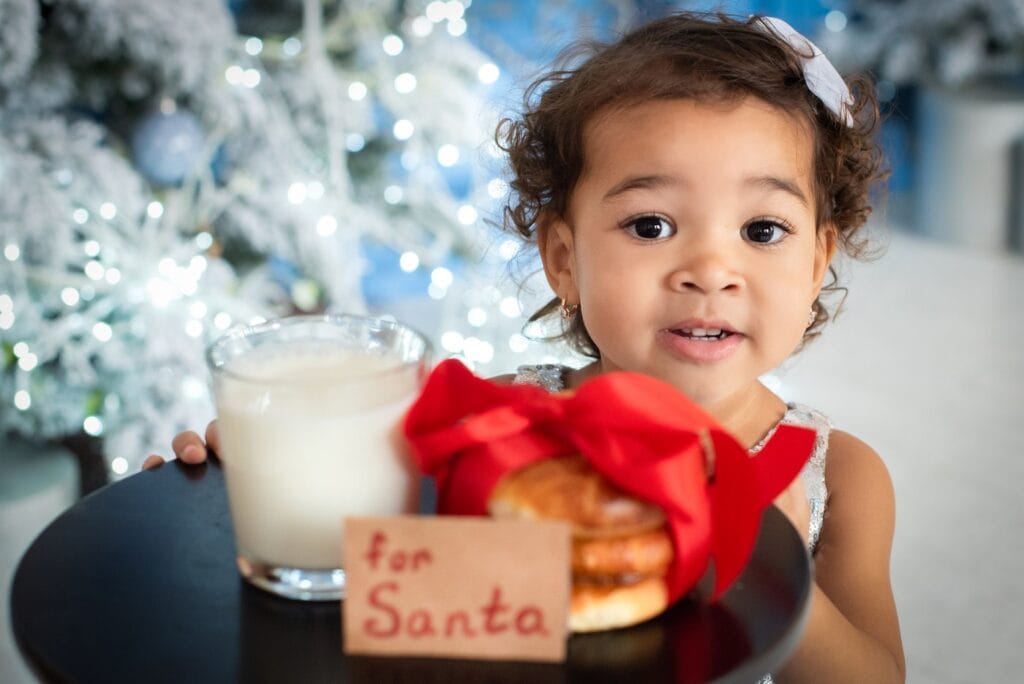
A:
[459, 587]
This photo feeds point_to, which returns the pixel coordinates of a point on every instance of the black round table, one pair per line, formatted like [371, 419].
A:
[137, 583]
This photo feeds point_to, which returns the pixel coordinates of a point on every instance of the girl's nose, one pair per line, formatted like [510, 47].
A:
[707, 271]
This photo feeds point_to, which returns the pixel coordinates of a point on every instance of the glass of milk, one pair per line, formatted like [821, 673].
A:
[309, 411]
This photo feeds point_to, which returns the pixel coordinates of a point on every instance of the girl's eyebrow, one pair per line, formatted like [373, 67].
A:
[770, 182]
[647, 182]
[656, 181]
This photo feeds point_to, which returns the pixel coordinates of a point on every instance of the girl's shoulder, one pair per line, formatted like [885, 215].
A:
[861, 504]
[852, 463]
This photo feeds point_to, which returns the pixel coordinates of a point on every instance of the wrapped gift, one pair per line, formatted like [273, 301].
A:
[638, 434]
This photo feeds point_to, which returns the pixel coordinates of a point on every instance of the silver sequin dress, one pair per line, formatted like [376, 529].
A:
[552, 378]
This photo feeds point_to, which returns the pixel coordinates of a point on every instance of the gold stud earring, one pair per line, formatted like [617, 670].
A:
[568, 310]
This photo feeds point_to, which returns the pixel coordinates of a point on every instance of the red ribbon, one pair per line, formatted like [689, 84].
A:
[638, 432]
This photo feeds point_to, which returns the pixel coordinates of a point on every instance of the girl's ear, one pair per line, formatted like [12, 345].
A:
[824, 250]
[556, 246]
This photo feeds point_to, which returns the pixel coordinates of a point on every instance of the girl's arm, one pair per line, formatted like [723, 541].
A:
[853, 633]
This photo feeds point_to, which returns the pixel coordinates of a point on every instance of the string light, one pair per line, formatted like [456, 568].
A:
[251, 78]
[69, 296]
[12, 251]
[91, 248]
[354, 142]
[357, 90]
[119, 465]
[835, 21]
[451, 341]
[92, 426]
[393, 194]
[403, 129]
[326, 225]
[488, 73]
[454, 10]
[297, 193]
[80, 216]
[253, 46]
[508, 249]
[291, 46]
[193, 388]
[442, 277]
[94, 269]
[197, 309]
[518, 344]
[392, 45]
[234, 74]
[457, 27]
[102, 332]
[421, 26]
[476, 317]
[510, 307]
[204, 240]
[6, 312]
[193, 328]
[22, 400]
[155, 209]
[447, 155]
[108, 211]
[410, 160]
[222, 321]
[113, 276]
[405, 83]
[436, 11]
[478, 350]
[466, 215]
[497, 188]
[409, 261]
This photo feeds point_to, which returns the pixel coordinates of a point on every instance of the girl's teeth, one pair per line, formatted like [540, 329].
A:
[703, 332]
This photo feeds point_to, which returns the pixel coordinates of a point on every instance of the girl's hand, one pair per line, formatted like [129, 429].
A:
[793, 504]
[189, 447]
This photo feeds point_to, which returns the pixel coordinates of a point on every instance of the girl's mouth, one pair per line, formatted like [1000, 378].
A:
[703, 334]
[701, 345]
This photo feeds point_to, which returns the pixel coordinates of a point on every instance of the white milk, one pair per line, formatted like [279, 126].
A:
[314, 438]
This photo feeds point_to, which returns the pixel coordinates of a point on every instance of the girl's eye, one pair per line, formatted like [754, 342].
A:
[765, 232]
[650, 228]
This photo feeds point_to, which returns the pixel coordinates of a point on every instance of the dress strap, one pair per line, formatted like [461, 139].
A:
[550, 376]
[814, 472]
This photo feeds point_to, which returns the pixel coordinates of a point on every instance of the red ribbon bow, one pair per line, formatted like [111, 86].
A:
[638, 432]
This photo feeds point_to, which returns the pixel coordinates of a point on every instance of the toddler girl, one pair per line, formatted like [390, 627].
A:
[687, 188]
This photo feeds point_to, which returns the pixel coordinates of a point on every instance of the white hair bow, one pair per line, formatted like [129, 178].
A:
[822, 78]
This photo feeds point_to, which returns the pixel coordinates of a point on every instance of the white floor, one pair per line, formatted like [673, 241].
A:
[927, 366]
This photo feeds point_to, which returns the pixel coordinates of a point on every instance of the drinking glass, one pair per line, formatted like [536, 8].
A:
[308, 411]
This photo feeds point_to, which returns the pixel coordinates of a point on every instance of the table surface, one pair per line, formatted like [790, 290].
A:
[137, 582]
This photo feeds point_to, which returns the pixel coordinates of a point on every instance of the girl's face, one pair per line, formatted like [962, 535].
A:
[690, 242]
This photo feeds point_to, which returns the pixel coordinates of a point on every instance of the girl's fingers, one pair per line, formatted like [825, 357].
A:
[213, 437]
[152, 461]
[189, 447]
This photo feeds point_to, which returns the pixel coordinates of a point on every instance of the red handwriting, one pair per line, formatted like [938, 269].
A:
[397, 561]
[389, 621]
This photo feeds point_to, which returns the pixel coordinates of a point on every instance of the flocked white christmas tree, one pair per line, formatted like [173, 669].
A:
[164, 175]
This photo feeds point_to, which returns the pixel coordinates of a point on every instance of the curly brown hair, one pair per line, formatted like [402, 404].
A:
[704, 57]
